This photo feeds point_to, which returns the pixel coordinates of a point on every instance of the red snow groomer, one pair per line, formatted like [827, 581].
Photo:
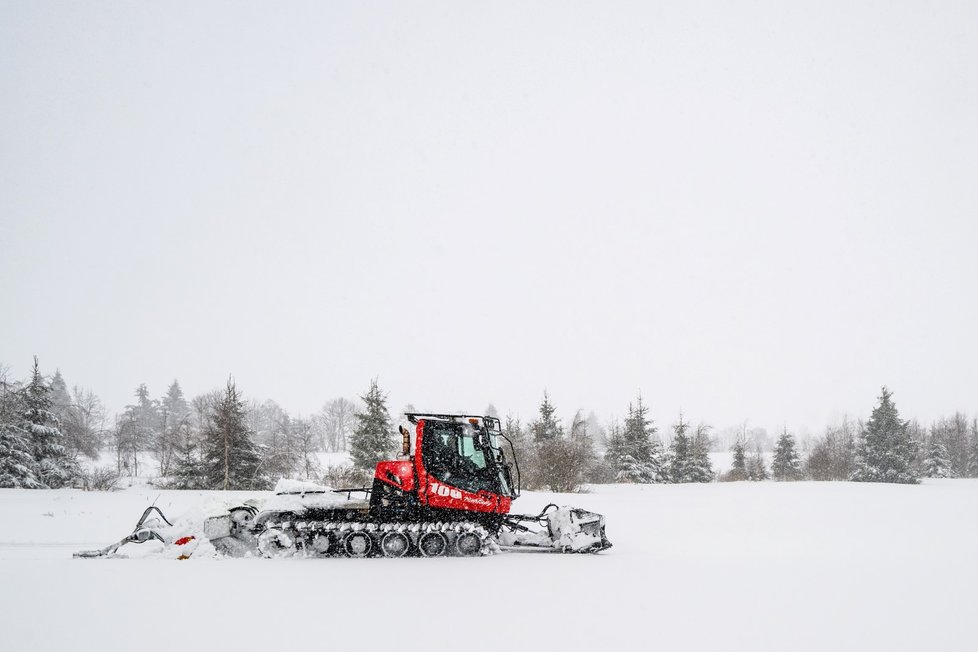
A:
[448, 493]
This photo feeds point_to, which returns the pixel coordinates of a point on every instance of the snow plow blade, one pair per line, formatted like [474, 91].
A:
[577, 530]
[568, 529]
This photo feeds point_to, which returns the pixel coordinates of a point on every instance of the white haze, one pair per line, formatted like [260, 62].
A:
[746, 210]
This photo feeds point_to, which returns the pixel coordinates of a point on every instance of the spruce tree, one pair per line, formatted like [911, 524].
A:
[174, 414]
[739, 469]
[636, 453]
[55, 467]
[547, 427]
[680, 458]
[936, 464]
[61, 408]
[885, 451]
[786, 464]
[17, 466]
[188, 471]
[756, 468]
[231, 459]
[373, 438]
[701, 468]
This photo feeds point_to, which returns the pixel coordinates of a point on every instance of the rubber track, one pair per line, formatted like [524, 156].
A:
[303, 533]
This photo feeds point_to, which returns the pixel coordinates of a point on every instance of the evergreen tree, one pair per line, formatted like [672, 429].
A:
[953, 434]
[786, 464]
[886, 451]
[701, 468]
[635, 453]
[55, 467]
[373, 439]
[231, 459]
[739, 469]
[936, 464]
[174, 413]
[680, 458]
[61, 406]
[17, 466]
[188, 462]
[147, 420]
[547, 427]
[756, 468]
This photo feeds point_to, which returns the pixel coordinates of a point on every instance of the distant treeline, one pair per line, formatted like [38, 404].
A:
[219, 441]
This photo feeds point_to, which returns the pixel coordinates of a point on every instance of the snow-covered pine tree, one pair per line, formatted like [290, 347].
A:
[231, 459]
[739, 469]
[756, 468]
[17, 466]
[547, 427]
[147, 419]
[885, 452]
[174, 413]
[61, 408]
[701, 468]
[55, 467]
[956, 442]
[936, 463]
[636, 452]
[680, 457]
[187, 470]
[373, 438]
[786, 464]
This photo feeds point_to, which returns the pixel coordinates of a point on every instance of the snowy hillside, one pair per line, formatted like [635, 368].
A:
[737, 566]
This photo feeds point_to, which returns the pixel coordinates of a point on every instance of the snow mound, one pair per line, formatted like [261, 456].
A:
[289, 486]
[297, 496]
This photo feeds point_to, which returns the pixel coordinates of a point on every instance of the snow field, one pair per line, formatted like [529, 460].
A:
[731, 566]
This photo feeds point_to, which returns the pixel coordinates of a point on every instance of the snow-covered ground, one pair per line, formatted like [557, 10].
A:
[733, 566]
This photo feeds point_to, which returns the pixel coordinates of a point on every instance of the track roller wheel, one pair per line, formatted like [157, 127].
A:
[395, 544]
[321, 543]
[468, 544]
[358, 543]
[274, 542]
[433, 544]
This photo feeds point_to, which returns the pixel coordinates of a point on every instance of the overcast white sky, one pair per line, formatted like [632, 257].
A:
[747, 210]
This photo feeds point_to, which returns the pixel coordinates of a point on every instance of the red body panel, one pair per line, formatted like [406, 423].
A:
[435, 493]
[399, 473]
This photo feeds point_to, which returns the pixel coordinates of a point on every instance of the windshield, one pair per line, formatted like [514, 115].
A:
[456, 454]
